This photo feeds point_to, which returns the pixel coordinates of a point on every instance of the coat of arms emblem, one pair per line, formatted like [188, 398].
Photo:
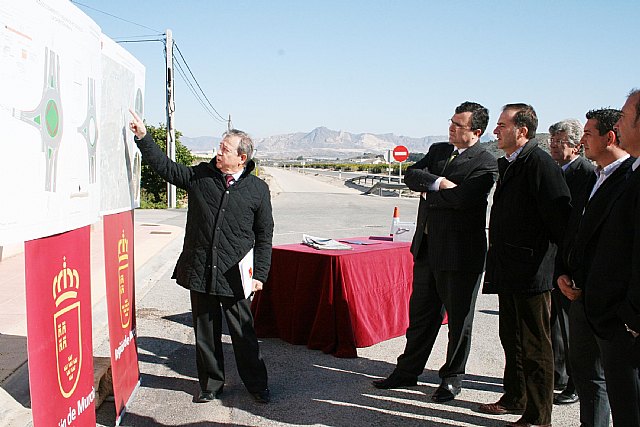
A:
[66, 324]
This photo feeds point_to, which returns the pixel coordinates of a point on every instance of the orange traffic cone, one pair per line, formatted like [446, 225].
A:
[394, 221]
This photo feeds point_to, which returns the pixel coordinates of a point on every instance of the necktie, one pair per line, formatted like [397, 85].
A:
[229, 179]
[453, 156]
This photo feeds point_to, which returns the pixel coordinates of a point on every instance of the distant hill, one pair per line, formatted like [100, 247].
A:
[323, 142]
[200, 144]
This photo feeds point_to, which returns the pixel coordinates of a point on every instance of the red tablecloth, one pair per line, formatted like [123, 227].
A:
[336, 301]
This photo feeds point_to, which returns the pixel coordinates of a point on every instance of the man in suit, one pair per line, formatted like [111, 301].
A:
[529, 213]
[565, 149]
[229, 214]
[590, 210]
[628, 129]
[610, 293]
[449, 249]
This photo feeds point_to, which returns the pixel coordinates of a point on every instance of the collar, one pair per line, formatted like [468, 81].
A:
[635, 164]
[514, 155]
[236, 176]
[611, 167]
[566, 165]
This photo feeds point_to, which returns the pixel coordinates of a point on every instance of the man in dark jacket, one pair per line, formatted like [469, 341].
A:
[529, 213]
[229, 214]
[611, 293]
[565, 149]
[449, 249]
[589, 213]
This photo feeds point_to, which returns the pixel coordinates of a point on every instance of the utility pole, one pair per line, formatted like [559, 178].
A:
[171, 130]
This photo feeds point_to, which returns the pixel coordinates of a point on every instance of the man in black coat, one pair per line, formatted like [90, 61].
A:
[449, 249]
[589, 213]
[229, 214]
[611, 293]
[565, 149]
[529, 213]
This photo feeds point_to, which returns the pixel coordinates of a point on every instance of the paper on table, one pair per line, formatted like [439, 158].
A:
[359, 242]
[246, 273]
[323, 243]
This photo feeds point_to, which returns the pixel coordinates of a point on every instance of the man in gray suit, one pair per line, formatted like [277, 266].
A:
[449, 249]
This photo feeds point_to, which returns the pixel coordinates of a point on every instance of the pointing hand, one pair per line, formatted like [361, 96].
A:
[137, 125]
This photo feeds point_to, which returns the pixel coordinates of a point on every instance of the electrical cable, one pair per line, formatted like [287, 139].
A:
[114, 16]
[196, 81]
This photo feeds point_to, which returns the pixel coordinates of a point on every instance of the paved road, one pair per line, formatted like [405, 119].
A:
[309, 387]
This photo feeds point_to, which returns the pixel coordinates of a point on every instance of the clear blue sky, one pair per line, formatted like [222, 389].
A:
[381, 66]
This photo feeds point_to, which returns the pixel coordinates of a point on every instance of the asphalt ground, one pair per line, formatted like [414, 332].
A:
[308, 387]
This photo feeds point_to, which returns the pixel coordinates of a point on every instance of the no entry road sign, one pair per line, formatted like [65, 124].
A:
[400, 153]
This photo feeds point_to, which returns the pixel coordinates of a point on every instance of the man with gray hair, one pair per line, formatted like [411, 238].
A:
[565, 149]
[229, 215]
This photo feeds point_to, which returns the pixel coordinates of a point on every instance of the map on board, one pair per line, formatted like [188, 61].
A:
[120, 159]
[57, 124]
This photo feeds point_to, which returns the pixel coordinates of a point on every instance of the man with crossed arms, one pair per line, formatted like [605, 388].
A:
[449, 249]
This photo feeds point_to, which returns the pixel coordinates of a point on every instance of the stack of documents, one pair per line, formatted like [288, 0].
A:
[323, 243]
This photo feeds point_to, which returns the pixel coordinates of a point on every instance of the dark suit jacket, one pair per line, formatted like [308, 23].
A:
[578, 173]
[611, 295]
[456, 217]
[585, 223]
[530, 211]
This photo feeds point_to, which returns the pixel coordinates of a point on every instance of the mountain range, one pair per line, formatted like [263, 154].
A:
[322, 142]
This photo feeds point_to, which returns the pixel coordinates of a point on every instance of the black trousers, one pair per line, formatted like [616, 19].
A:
[433, 293]
[588, 373]
[525, 335]
[207, 323]
[622, 377]
[560, 339]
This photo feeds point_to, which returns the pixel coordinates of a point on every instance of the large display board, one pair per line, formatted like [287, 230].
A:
[66, 157]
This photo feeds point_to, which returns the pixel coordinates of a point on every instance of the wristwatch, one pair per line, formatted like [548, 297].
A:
[634, 333]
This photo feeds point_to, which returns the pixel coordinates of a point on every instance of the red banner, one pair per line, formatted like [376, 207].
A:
[120, 279]
[59, 342]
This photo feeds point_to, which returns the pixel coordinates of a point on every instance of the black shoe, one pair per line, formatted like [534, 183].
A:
[566, 397]
[558, 386]
[206, 396]
[261, 396]
[395, 381]
[448, 390]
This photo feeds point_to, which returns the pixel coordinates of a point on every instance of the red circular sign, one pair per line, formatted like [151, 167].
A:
[400, 153]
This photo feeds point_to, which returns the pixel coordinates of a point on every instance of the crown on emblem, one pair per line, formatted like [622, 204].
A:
[123, 245]
[65, 283]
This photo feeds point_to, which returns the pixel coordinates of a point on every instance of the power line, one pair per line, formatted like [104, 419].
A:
[114, 16]
[139, 41]
[193, 91]
[210, 109]
[198, 84]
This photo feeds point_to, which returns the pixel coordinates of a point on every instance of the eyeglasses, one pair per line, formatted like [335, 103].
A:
[553, 141]
[458, 125]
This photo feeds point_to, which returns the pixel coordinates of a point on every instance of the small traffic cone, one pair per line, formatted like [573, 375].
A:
[394, 221]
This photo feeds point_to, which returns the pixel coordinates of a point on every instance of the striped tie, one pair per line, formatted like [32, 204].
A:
[453, 156]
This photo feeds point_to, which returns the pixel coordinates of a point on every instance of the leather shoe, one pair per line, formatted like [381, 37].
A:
[498, 409]
[566, 397]
[448, 390]
[395, 381]
[559, 386]
[207, 396]
[522, 423]
[262, 396]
